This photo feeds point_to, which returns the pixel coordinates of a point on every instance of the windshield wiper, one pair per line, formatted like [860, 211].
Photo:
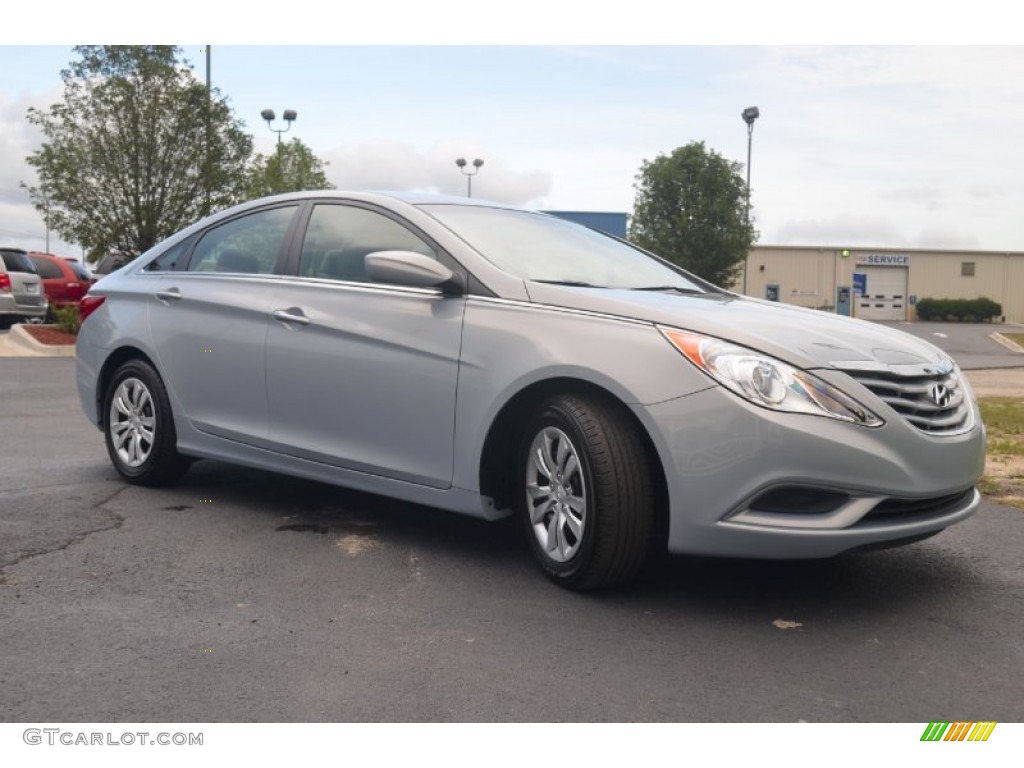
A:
[676, 288]
[574, 283]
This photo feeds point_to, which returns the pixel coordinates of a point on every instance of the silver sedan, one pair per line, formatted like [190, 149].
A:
[494, 361]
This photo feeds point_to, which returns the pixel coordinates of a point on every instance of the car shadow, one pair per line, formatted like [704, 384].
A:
[850, 587]
[294, 504]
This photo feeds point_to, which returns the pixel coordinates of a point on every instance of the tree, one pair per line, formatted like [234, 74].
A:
[292, 168]
[690, 208]
[136, 150]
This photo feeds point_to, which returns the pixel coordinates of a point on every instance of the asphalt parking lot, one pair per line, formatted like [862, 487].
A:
[971, 344]
[246, 596]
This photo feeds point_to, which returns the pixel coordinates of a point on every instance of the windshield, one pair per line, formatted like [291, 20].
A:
[535, 246]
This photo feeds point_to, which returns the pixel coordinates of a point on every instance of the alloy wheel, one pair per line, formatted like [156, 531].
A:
[556, 494]
[132, 422]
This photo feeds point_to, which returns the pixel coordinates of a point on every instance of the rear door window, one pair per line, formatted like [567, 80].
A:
[47, 269]
[250, 244]
[168, 260]
[18, 262]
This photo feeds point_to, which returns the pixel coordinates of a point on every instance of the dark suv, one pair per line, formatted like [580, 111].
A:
[21, 289]
[112, 262]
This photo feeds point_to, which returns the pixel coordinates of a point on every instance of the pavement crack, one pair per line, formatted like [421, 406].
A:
[303, 527]
[115, 522]
[44, 487]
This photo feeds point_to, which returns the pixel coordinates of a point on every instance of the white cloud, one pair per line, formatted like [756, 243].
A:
[18, 138]
[945, 238]
[21, 226]
[847, 229]
[987, 191]
[841, 229]
[400, 166]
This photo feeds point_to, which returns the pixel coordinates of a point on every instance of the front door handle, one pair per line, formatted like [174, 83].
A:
[171, 294]
[292, 315]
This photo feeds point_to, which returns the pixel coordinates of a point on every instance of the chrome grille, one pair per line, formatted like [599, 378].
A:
[934, 403]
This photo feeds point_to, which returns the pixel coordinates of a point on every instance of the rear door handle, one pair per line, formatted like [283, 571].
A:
[292, 315]
[171, 294]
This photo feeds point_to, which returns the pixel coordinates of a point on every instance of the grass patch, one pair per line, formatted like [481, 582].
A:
[1016, 338]
[1000, 446]
[1004, 462]
[1003, 416]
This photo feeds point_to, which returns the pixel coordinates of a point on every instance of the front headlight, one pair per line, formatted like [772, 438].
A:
[766, 381]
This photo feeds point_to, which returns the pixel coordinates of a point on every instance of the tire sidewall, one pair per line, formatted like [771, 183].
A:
[554, 414]
[163, 426]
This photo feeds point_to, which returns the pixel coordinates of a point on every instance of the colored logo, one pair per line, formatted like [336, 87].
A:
[958, 731]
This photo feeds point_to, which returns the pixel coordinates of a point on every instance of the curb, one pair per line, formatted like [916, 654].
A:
[20, 337]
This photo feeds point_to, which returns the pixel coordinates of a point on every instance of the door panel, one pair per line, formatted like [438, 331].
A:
[363, 375]
[211, 344]
[369, 382]
[210, 322]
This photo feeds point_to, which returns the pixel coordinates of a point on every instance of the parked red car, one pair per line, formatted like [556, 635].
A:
[64, 282]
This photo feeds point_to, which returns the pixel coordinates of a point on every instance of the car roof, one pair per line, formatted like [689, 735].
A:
[385, 198]
[412, 198]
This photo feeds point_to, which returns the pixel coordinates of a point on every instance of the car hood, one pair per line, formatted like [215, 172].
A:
[806, 338]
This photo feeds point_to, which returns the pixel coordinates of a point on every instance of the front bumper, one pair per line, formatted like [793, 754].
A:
[856, 487]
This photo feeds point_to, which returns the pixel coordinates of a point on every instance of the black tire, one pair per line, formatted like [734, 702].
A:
[613, 479]
[139, 434]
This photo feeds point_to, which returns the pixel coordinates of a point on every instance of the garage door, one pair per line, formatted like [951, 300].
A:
[886, 297]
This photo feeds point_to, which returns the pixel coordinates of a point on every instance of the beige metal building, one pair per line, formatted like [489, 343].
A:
[883, 283]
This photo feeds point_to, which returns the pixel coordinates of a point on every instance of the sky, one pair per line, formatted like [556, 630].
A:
[903, 146]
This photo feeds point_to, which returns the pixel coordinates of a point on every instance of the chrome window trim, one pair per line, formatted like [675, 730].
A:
[555, 308]
[296, 279]
[209, 275]
[354, 285]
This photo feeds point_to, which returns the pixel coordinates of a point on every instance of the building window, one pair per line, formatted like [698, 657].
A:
[966, 269]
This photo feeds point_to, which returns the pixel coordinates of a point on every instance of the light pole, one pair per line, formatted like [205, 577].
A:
[461, 162]
[288, 116]
[208, 192]
[750, 114]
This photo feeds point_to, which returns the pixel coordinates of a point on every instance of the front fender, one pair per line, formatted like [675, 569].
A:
[509, 346]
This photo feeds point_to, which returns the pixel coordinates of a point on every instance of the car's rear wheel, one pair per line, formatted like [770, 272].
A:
[587, 495]
[139, 427]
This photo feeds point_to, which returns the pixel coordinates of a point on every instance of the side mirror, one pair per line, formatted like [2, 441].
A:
[414, 270]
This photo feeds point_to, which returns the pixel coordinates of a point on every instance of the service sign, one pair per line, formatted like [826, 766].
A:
[883, 259]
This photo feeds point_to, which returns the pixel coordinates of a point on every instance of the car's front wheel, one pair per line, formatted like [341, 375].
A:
[139, 427]
[587, 495]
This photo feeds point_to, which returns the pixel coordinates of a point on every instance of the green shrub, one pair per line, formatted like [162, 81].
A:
[66, 318]
[960, 310]
[928, 309]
